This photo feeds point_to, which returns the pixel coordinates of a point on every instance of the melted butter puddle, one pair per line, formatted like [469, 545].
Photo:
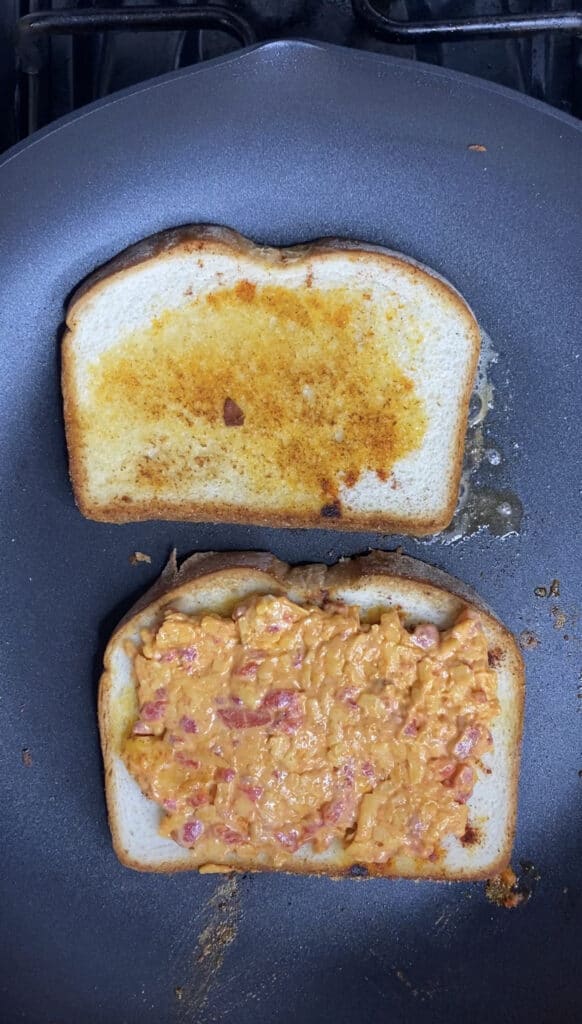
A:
[481, 508]
[500, 512]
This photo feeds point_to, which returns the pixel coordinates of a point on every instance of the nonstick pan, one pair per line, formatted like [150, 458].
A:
[287, 142]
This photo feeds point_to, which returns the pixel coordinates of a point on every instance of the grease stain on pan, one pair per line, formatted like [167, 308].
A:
[480, 506]
[219, 931]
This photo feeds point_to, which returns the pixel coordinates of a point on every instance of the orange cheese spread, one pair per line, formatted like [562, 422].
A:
[285, 725]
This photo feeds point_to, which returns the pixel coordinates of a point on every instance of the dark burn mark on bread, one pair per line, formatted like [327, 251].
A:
[495, 657]
[471, 836]
[331, 511]
[232, 413]
[358, 871]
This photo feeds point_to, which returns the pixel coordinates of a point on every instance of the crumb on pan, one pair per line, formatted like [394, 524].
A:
[476, 147]
[510, 891]
[26, 758]
[139, 556]
[552, 591]
[528, 640]
[559, 617]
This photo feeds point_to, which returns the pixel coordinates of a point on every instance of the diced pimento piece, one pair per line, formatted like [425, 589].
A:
[425, 635]
[463, 783]
[198, 798]
[332, 811]
[153, 710]
[189, 654]
[254, 793]
[188, 724]
[467, 742]
[224, 774]
[444, 767]
[183, 758]
[279, 699]
[244, 718]
[190, 833]
[291, 839]
[228, 835]
[348, 695]
[248, 670]
[287, 711]
[142, 729]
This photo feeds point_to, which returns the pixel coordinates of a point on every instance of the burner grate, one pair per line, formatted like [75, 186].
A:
[67, 56]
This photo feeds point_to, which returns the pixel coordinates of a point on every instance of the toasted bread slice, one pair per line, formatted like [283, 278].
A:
[217, 582]
[207, 378]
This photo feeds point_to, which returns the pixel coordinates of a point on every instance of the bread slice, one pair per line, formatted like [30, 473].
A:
[379, 580]
[208, 378]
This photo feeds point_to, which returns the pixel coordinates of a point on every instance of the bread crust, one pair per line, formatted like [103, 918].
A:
[202, 239]
[316, 583]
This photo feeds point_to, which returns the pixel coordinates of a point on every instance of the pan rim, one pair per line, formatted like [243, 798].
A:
[300, 47]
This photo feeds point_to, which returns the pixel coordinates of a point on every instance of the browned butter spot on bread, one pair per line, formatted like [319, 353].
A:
[318, 373]
[232, 413]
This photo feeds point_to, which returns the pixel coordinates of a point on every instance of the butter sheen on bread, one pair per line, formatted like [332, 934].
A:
[209, 378]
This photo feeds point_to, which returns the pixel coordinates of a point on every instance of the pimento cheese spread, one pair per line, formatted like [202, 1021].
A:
[286, 725]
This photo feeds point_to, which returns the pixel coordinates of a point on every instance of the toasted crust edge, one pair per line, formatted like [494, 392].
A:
[316, 579]
[194, 238]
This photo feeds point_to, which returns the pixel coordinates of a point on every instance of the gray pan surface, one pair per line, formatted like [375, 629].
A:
[284, 143]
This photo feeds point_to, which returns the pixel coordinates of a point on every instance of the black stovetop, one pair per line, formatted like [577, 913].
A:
[50, 67]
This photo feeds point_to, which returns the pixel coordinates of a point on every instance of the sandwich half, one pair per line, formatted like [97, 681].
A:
[361, 719]
[208, 378]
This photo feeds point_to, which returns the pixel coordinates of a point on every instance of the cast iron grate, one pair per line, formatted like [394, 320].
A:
[65, 55]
